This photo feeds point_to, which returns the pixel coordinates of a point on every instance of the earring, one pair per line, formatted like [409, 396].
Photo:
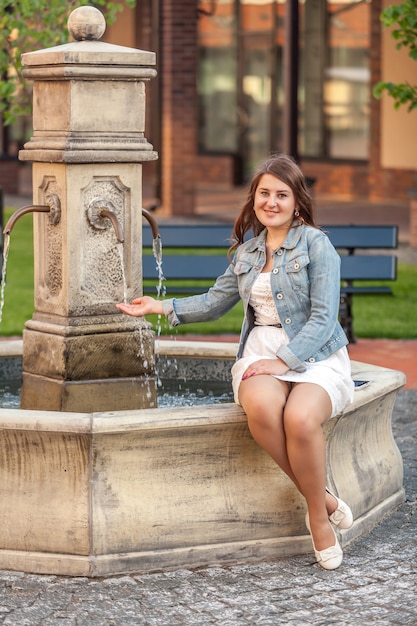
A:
[297, 213]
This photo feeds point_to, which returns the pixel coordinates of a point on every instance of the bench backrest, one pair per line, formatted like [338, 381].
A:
[218, 236]
[364, 237]
[190, 235]
[206, 266]
[368, 267]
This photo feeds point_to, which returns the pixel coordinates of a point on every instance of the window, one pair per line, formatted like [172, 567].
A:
[334, 79]
[241, 94]
[240, 87]
[218, 120]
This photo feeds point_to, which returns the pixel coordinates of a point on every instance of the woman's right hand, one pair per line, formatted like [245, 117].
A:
[141, 306]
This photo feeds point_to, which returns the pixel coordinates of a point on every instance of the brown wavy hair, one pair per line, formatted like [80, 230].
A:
[285, 169]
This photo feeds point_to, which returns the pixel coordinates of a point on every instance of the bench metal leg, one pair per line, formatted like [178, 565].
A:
[346, 316]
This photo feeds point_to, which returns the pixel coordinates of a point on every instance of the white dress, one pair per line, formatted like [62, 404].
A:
[332, 374]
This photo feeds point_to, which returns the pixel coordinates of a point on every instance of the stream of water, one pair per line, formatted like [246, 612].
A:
[6, 246]
[122, 267]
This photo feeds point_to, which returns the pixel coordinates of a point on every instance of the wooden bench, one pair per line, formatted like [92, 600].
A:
[195, 254]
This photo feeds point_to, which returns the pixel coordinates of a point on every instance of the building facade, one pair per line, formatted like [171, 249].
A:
[241, 79]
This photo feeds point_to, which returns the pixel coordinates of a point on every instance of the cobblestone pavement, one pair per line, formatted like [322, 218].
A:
[376, 583]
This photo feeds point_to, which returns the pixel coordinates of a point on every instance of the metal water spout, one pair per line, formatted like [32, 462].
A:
[152, 221]
[101, 209]
[116, 224]
[157, 242]
[53, 208]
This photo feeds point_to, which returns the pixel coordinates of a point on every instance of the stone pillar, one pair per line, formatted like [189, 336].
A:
[88, 146]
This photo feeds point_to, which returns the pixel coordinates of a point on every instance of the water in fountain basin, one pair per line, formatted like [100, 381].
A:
[192, 393]
[172, 393]
[9, 394]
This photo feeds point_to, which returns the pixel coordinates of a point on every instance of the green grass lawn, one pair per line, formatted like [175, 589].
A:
[18, 297]
[380, 316]
[389, 317]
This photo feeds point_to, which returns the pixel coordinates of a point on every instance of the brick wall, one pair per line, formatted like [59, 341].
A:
[9, 175]
[178, 91]
[221, 169]
[390, 183]
[347, 180]
[172, 106]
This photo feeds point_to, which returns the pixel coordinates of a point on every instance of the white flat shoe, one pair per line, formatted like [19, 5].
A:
[329, 558]
[342, 517]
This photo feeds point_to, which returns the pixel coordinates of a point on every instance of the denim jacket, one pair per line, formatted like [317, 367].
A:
[305, 282]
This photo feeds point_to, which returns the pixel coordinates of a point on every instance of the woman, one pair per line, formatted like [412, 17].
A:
[292, 371]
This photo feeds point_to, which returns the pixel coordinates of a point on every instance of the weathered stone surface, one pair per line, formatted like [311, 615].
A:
[89, 356]
[107, 394]
[180, 487]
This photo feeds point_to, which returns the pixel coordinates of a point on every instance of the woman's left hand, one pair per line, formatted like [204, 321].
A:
[274, 367]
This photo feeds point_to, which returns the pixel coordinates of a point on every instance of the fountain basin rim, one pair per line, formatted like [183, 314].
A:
[165, 347]
[201, 349]
[11, 347]
[121, 421]
[382, 381]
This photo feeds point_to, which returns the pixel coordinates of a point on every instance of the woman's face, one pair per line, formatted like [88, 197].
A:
[274, 202]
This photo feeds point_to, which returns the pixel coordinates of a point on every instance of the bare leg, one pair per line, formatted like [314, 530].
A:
[308, 407]
[287, 425]
[263, 399]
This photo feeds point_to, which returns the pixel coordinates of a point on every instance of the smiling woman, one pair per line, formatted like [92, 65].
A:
[292, 371]
[275, 208]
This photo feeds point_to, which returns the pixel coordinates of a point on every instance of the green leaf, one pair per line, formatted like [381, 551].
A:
[404, 18]
[27, 25]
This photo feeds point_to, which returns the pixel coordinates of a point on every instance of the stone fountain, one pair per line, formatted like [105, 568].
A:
[87, 150]
[90, 484]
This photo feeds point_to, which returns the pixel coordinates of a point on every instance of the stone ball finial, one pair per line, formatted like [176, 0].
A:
[86, 23]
